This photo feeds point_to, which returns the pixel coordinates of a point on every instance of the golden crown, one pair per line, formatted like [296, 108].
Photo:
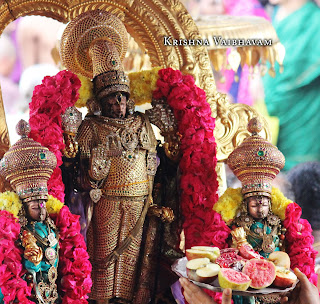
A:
[95, 43]
[256, 162]
[28, 166]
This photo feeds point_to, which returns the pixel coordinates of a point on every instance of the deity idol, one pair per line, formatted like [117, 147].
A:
[117, 151]
[256, 162]
[37, 248]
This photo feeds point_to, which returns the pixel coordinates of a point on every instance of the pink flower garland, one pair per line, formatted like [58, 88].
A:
[198, 176]
[13, 287]
[198, 184]
[49, 101]
[74, 267]
[299, 242]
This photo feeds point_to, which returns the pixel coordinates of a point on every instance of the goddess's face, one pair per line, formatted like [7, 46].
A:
[114, 105]
[258, 206]
[36, 210]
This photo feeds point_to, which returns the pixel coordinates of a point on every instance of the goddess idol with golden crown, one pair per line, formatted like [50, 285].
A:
[256, 162]
[260, 218]
[43, 256]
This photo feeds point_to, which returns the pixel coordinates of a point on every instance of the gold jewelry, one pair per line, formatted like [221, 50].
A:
[28, 166]
[256, 162]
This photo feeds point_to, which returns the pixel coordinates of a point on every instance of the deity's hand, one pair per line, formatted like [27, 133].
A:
[33, 255]
[163, 117]
[32, 252]
[164, 213]
[99, 163]
[71, 121]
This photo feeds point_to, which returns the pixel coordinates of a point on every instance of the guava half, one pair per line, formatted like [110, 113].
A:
[261, 272]
[229, 278]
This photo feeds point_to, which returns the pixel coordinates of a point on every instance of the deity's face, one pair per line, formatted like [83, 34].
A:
[36, 210]
[114, 105]
[258, 206]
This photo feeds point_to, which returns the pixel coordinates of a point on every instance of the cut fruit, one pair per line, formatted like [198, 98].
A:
[228, 258]
[261, 272]
[280, 258]
[207, 274]
[228, 251]
[247, 252]
[284, 277]
[216, 250]
[196, 254]
[195, 264]
[229, 278]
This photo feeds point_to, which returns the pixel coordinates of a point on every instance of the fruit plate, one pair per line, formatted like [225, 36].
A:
[179, 267]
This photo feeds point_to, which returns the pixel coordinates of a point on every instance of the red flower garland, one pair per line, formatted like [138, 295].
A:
[198, 176]
[74, 266]
[51, 99]
[299, 242]
[12, 286]
[198, 184]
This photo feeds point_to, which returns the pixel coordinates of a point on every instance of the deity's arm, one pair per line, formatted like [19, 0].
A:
[32, 252]
[162, 116]
[164, 213]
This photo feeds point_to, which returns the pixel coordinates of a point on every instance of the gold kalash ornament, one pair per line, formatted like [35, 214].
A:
[28, 166]
[256, 162]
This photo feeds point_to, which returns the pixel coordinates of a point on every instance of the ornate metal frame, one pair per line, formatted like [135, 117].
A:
[148, 21]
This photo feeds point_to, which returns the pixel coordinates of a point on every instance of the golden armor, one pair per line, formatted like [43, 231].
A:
[117, 155]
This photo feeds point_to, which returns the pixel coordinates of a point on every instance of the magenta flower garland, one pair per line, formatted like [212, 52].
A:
[51, 99]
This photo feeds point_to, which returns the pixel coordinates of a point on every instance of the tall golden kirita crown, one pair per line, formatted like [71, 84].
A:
[28, 166]
[94, 45]
[256, 162]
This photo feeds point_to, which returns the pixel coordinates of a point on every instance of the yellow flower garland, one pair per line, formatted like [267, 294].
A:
[53, 205]
[229, 204]
[85, 91]
[142, 84]
[11, 202]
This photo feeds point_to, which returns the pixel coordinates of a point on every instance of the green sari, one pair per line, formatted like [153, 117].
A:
[294, 95]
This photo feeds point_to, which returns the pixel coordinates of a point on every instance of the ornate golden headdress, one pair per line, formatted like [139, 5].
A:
[94, 45]
[256, 162]
[28, 166]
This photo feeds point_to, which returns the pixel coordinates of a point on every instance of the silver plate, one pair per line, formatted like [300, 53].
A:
[179, 267]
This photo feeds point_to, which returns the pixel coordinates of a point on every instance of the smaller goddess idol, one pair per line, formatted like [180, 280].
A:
[43, 258]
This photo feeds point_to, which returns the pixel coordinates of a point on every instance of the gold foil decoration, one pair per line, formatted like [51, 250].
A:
[32, 251]
[234, 60]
